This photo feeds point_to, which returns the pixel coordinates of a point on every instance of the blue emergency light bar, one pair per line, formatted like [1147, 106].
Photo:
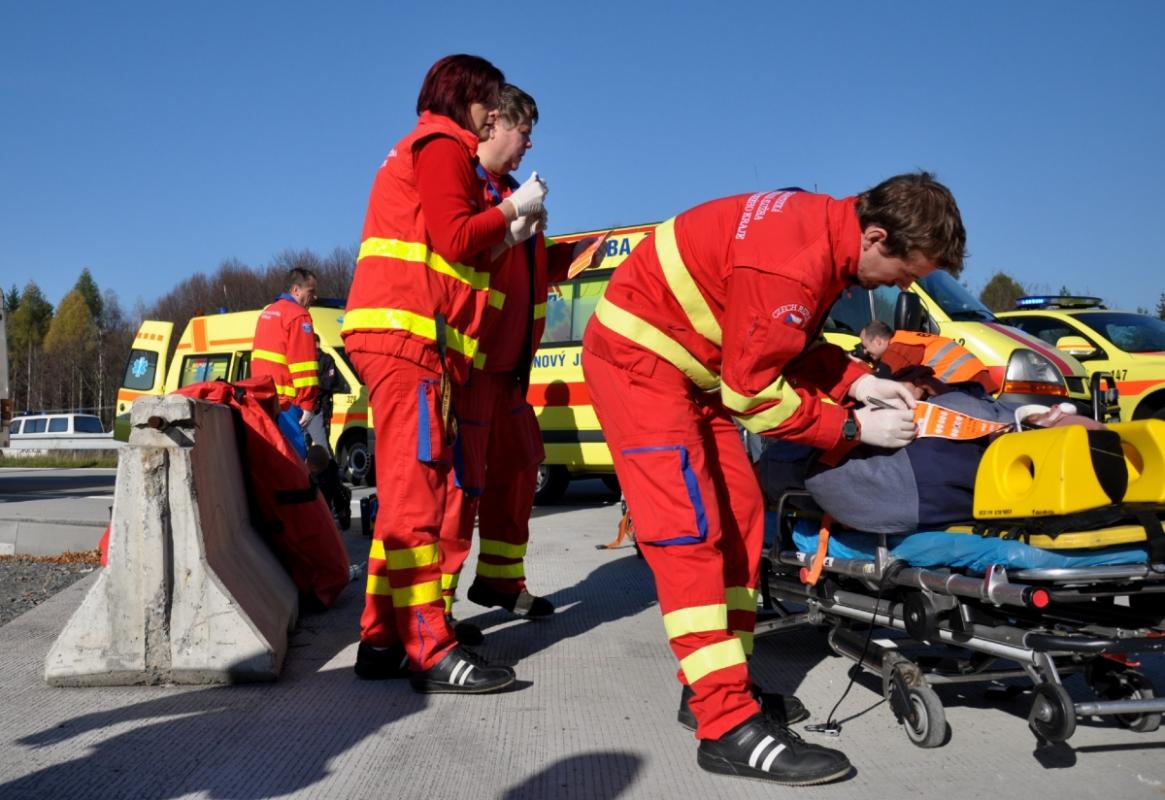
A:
[1058, 301]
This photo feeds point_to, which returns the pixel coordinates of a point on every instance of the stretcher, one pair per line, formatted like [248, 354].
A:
[1071, 583]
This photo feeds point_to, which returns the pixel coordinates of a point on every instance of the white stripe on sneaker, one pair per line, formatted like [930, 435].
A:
[771, 757]
[457, 670]
[465, 675]
[759, 750]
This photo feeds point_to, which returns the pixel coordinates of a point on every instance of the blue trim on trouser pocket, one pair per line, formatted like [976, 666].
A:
[693, 488]
[424, 424]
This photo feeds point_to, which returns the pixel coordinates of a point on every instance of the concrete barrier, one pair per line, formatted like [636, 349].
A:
[191, 594]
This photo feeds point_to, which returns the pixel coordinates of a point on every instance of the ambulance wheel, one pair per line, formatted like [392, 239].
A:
[1132, 685]
[612, 483]
[1053, 715]
[926, 724]
[356, 461]
[551, 483]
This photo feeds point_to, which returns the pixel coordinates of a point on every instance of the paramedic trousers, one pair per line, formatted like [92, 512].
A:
[699, 520]
[413, 465]
[499, 449]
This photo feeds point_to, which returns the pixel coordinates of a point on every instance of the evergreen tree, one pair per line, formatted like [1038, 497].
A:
[91, 294]
[11, 299]
[1161, 306]
[1001, 292]
[26, 331]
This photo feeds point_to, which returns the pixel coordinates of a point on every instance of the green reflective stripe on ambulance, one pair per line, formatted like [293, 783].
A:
[420, 253]
[679, 280]
[648, 336]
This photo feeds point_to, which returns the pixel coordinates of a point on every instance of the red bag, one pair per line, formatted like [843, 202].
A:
[292, 515]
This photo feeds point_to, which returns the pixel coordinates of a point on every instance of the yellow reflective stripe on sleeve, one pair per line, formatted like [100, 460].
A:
[716, 656]
[679, 280]
[418, 595]
[284, 389]
[304, 366]
[420, 253]
[655, 340]
[697, 619]
[746, 640]
[449, 581]
[788, 401]
[268, 355]
[412, 557]
[299, 383]
[377, 550]
[539, 311]
[378, 585]
[500, 570]
[741, 598]
[416, 324]
[492, 547]
[497, 299]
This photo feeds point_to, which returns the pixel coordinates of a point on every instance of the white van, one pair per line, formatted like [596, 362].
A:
[60, 431]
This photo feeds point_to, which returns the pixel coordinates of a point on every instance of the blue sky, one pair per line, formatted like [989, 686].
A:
[149, 141]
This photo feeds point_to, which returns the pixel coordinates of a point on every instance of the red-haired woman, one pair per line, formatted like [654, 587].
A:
[411, 330]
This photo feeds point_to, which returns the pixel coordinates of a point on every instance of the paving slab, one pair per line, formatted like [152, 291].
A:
[592, 715]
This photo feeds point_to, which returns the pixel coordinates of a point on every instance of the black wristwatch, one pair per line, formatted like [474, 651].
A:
[850, 430]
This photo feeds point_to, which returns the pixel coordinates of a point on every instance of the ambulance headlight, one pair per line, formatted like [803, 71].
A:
[1028, 372]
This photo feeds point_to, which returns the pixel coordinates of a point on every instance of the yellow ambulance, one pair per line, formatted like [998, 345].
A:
[218, 346]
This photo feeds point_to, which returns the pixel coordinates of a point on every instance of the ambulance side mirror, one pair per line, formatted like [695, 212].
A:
[1075, 346]
[909, 315]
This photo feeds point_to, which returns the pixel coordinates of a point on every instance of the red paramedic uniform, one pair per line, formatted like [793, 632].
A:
[500, 438]
[714, 317]
[285, 349]
[421, 277]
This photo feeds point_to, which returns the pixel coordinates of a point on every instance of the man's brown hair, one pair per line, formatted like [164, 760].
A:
[918, 213]
[516, 107]
[300, 276]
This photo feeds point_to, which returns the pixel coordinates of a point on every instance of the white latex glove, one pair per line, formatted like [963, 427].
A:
[885, 427]
[888, 391]
[528, 197]
[519, 231]
[306, 418]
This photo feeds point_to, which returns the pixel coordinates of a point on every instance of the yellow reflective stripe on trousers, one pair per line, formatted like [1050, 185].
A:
[299, 383]
[497, 299]
[449, 582]
[492, 547]
[647, 335]
[697, 619]
[746, 641]
[539, 311]
[413, 557]
[420, 253]
[419, 595]
[716, 656]
[377, 550]
[679, 280]
[740, 598]
[788, 401]
[426, 327]
[304, 366]
[500, 570]
[378, 585]
[268, 355]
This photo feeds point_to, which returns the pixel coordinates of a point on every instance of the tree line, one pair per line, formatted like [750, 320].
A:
[71, 357]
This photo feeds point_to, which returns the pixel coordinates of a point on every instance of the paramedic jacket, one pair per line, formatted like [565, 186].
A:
[285, 349]
[734, 294]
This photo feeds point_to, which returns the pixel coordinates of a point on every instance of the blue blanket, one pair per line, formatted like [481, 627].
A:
[961, 550]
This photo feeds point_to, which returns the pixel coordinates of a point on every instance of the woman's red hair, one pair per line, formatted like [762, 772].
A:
[455, 82]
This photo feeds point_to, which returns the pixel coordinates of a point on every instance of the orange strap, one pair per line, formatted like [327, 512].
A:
[624, 529]
[811, 574]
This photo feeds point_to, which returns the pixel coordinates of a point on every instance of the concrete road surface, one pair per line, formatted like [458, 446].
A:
[592, 716]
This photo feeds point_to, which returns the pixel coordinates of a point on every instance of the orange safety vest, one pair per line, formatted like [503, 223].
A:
[951, 362]
[285, 349]
[403, 288]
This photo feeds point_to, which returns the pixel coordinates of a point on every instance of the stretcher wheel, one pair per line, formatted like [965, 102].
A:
[1132, 685]
[926, 722]
[1053, 714]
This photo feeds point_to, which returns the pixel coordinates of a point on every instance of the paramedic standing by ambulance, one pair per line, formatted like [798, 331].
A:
[412, 329]
[716, 316]
[285, 346]
[495, 420]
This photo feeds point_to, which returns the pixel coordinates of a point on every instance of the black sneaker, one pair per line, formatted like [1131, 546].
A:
[521, 603]
[462, 671]
[373, 664]
[465, 632]
[759, 748]
[777, 707]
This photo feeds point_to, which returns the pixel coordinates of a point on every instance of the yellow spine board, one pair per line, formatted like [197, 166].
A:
[1144, 444]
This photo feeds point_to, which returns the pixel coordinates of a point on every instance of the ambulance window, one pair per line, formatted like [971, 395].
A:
[558, 303]
[1049, 329]
[196, 369]
[586, 298]
[850, 313]
[140, 370]
[885, 299]
[243, 366]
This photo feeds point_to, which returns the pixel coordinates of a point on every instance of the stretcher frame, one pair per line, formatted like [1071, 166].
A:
[919, 628]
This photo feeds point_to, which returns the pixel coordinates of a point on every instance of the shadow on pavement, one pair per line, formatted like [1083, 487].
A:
[604, 774]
